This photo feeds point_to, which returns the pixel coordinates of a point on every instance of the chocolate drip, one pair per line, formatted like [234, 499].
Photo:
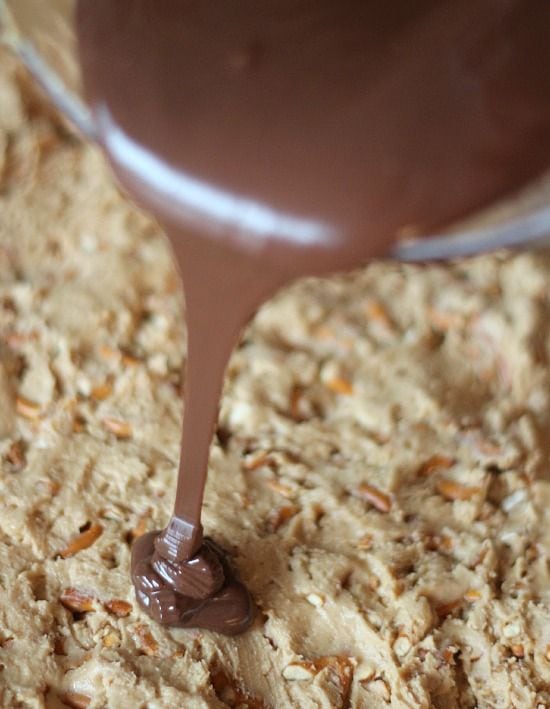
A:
[283, 138]
[162, 589]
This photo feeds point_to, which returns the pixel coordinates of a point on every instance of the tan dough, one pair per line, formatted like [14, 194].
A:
[380, 471]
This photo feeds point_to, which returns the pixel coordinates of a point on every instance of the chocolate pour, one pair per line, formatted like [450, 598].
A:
[296, 137]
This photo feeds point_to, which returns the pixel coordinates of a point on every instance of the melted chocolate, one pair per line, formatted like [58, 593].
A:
[163, 590]
[283, 138]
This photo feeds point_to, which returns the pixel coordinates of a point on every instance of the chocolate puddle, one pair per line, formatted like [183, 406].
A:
[284, 138]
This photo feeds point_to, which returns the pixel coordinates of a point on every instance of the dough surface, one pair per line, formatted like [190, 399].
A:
[380, 469]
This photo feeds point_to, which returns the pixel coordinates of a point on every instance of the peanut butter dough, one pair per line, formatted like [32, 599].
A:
[380, 469]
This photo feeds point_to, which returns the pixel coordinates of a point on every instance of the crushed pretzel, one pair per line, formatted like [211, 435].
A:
[446, 543]
[16, 456]
[378, 499]
[121, 429]
[439, 542]
[295, 399]
[84, 540]
[79, 423]
[148, 644]
[76, 601]
[129, 360]
[109, 353]
[118, 607]
[518, 650]
[280, 488]
[433, 464]
[365, 542]
[111, 639]
[339, 385]
[452, 490]
[377, 312]
[281, 515]
[76, 700]
[27, 408]
[341, 667]
[255, 460]
[101, 391]
[472, 595]
[141, 527]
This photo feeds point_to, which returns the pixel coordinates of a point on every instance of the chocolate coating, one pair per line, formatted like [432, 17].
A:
[283, 138]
